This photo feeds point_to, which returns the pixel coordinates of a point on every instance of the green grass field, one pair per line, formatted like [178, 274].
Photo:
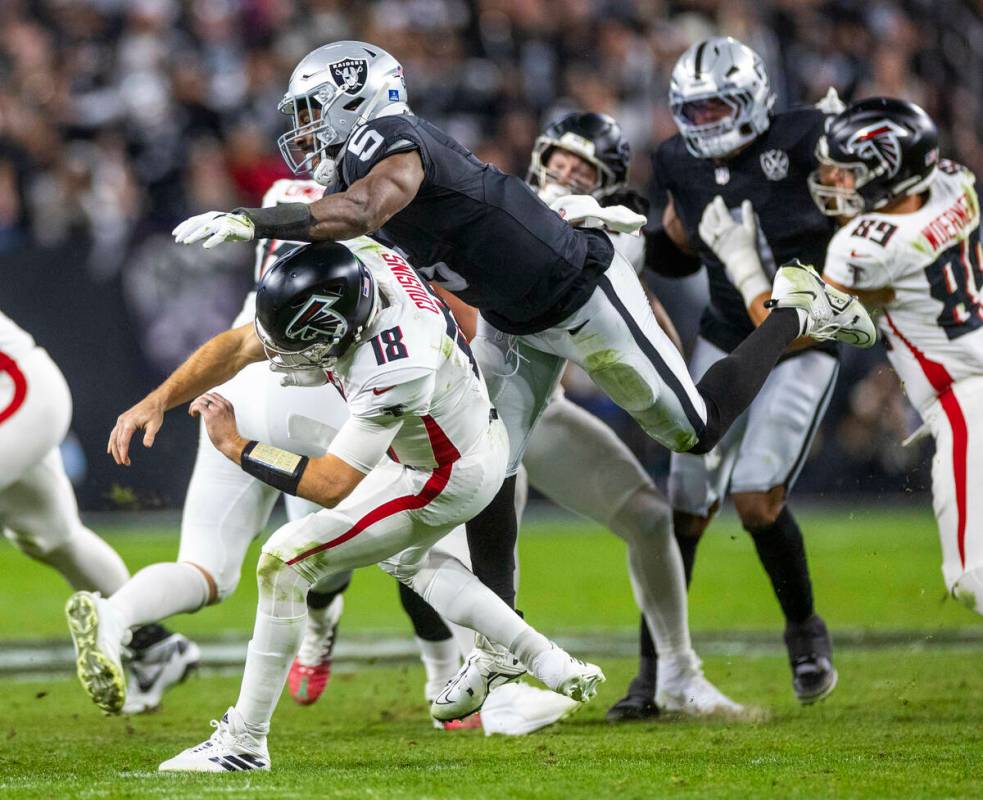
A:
[903, 722]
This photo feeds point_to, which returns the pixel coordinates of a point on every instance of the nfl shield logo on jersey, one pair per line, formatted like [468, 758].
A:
[774, 163]
[350, 74]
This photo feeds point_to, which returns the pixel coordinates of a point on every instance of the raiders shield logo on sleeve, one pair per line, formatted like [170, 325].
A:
[350, 74]
[774, 164]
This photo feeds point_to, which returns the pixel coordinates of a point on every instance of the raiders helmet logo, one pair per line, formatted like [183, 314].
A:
[881, 141]
[774, 164]
[350, 74]
[317, 318]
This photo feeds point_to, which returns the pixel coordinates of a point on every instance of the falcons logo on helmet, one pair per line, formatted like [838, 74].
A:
[880, 141]
[317, 318]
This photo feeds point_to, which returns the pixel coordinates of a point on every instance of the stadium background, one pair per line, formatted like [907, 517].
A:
[119, 119]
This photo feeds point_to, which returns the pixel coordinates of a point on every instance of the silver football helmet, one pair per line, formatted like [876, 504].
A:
[332, 91]
[720, 97]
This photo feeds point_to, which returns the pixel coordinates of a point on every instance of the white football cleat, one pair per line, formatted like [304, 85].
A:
[683, 688]
[567, 675]
[152, 671]
[486, 667]
[230, 749]
[518, 708]
[829, 313]
[99, 636]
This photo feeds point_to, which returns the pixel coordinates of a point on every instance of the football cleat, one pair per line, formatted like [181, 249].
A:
[230, 749]
[486, 667]
[518, 708]
[156, 668]
[470, 723]
[810, 654]
[638, 704]
[682, 688]
[567, 675]
[311, 669]
[828, 312]
[98, 635]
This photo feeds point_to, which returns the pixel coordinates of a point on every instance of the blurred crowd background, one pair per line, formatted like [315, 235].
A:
[119, 118]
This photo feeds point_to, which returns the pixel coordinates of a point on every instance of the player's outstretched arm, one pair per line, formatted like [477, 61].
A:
[872, 298]
[326, 480]
[364, 207]
[215, 362]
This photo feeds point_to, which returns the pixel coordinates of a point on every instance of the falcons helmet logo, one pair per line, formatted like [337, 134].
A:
[880, 141]
[317, 318]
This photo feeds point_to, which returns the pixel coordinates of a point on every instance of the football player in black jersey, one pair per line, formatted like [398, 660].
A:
[734, 185]
[546, 291]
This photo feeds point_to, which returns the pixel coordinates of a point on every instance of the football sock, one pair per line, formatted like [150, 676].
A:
[427, 623]
[268, 658]
[730, 385]
[441, 660]
[321, 620]
[655, 568]
[318, 598]
[458, 596]
[782, 554]
[88, 563]
[158, 591]
[687, 545]
[491, 539]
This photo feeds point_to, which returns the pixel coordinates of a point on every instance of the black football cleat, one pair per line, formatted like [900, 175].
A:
[810, 654]
[637, 705]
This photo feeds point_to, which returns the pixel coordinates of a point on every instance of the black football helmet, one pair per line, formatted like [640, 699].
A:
[313, 304]
[596, 138]
[891, 148]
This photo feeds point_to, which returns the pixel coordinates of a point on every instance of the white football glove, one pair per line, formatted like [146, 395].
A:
[736, 245]
[831, 103]
[215, 227]
[305, 378]
[583, 211]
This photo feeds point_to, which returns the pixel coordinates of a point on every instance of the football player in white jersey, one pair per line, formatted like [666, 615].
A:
[39, 514]
[910, 246]
[413, 394]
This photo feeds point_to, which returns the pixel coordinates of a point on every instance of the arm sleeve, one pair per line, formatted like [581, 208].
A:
[379, 139]
[362, 441]
[663, 257]
[856, 263]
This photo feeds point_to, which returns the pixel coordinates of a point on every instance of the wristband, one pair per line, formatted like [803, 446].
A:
[288, 222]
[280, 469]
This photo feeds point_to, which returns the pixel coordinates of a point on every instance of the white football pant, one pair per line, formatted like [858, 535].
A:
[38, 511]
[956, 422]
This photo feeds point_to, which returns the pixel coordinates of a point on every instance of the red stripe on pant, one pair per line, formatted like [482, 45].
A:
[9, 366]
[445, 454]
[940, 379]
[960, 448]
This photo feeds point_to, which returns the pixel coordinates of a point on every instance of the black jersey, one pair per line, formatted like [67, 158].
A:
[771, 172]
[479, 233]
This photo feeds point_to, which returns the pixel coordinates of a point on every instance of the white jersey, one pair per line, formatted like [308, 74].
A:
[933, 328]
[15, 342]
[413, 372]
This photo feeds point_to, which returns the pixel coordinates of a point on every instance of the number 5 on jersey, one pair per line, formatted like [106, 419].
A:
[388, 346]
[364, 143]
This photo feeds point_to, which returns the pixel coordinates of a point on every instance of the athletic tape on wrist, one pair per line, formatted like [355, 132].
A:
[284, 221]
[279, 468]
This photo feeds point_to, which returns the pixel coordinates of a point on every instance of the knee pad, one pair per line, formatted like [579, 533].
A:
[968, 589]
[282, 589]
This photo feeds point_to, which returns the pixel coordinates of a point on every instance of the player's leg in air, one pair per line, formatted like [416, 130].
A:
[616, 339]
[224, 511]
[757, 463]
[305, 552]
[38, 511]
